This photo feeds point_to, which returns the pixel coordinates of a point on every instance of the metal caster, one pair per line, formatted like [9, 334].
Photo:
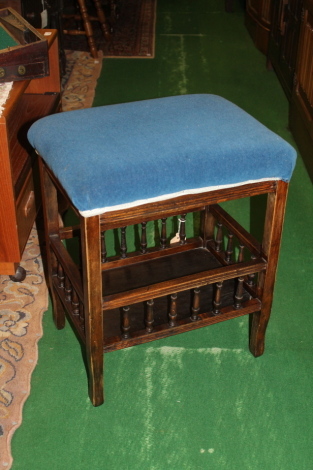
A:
[19, 276]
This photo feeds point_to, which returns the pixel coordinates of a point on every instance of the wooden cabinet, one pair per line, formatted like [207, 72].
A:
[258, 22]
[284, 39]
[283, 29]
[301, 106]
[15, 4]
[28, 101]
[32, 10]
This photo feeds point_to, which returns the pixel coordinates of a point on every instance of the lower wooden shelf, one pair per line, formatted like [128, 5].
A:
[184, 287]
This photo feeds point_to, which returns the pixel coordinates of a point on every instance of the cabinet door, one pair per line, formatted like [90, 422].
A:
[260, 9]
[15, 4]
[31, 11]
[284, 39]
[301, 109]
[258, 22]
[304, 82]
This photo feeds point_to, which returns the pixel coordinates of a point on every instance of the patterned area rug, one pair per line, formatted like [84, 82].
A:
[133, 32]
[22, 304]
[79, 80]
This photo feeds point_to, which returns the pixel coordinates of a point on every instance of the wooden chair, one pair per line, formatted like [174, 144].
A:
[88, 29]
[141, 164]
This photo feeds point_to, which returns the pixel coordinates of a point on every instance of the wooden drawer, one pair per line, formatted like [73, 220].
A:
[26, 210]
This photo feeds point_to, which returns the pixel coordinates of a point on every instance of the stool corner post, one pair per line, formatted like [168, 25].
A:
[257, 333]
[274, 221]
[92, 281]
[50, 208]
[207, 225]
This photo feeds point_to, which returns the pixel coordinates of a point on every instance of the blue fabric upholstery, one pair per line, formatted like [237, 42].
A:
[133, 152]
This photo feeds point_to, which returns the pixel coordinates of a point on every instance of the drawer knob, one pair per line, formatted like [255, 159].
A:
[21, 70]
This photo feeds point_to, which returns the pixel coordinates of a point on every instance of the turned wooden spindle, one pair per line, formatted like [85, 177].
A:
[83, 14]
[123, 243]
[251, 277]
[229, 249]
[173, 310]
[182, 229]
[87, 27]
[217, 298]
[125, 322]
[75, 303]
[143, 242]
[241, 253]
[163, 237]
[82, 315]
[149, 319]
[68, 289]
[239, 293]
[219, 237]
[60, 276]
[103, 21]
[103, 248]
[195, 305]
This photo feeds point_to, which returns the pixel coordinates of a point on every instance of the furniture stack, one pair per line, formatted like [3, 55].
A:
[282, 30]
[28, 101]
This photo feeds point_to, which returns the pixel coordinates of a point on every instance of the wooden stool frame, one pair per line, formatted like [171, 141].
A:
[86, 301]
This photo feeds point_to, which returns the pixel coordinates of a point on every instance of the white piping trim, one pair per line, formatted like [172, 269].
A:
[141, 202]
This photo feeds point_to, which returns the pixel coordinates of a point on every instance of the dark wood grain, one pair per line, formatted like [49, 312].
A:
[27, 59]
[183, 326]
[258, 22]
[274, 220]
[301, 106]
[92, 306]
[284, 40]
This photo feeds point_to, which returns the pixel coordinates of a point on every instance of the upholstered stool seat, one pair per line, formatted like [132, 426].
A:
[126, 154]
[133, 163]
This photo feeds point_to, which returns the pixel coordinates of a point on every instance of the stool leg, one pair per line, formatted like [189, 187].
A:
[102, 20]
[271, 244]
[51, 221]
[90, 231]
[88, 28]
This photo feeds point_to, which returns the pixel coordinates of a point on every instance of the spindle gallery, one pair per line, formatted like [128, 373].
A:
[202, 255]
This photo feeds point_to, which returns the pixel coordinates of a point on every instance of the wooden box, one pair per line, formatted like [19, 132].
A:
[23, 50]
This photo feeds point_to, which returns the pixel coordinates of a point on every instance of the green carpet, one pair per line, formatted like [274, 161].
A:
[198, 400]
